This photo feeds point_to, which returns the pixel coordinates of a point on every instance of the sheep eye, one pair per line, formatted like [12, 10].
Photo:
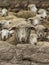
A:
[9, 22]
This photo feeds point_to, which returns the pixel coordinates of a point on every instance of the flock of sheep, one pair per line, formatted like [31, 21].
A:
[24, 30]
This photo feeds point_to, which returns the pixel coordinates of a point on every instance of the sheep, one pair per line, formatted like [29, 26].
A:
[8, 23]
[25, 14]
[33, 38]
[22, 32]
[5, 34]
[4, 12]
[12, 39]
[36, 20]
[43, 13]
[40, 31]
[32, 7]
[5, 23]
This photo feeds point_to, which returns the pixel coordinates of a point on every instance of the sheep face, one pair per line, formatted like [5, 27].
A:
[22, 34]
[4, 12]
[43, 13]
[40, 30]
[6, 23]
[32, 7]
[33, 39]
[5, 34]
[40, 33]
[35, 21]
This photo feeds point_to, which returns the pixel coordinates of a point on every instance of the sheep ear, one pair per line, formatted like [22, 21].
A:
[30, 19]
[13, 28]
[32, 28]
[11, 32]
[46, 30]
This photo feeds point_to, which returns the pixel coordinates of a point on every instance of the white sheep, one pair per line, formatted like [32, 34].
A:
[33, 38]
[43, 13]
[40, 31]
[22, 32]
[5, 33]
[4, 12]
[5, 23]
[32, 7]
[36, 20]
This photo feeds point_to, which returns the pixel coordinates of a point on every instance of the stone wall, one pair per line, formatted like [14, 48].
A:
[22, 4]
[23, 54]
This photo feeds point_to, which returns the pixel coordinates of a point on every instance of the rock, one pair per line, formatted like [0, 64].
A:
[7, 51]
[5, 63]
[33, 53]
[16, 5]
[8, 63]
[33, 63]
[22, 63]
[26, 63]
[23, 54]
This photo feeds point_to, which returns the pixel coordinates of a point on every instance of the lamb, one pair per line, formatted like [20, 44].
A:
[32, 7]
[22, 32]
[8, 23]
[4, 12]
[40, 31]
[5, 23]
[36, 20]
[33, 38]
[5, 34]
[43, 13]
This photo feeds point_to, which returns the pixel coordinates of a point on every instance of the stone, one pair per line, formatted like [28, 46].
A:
[7, 51]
